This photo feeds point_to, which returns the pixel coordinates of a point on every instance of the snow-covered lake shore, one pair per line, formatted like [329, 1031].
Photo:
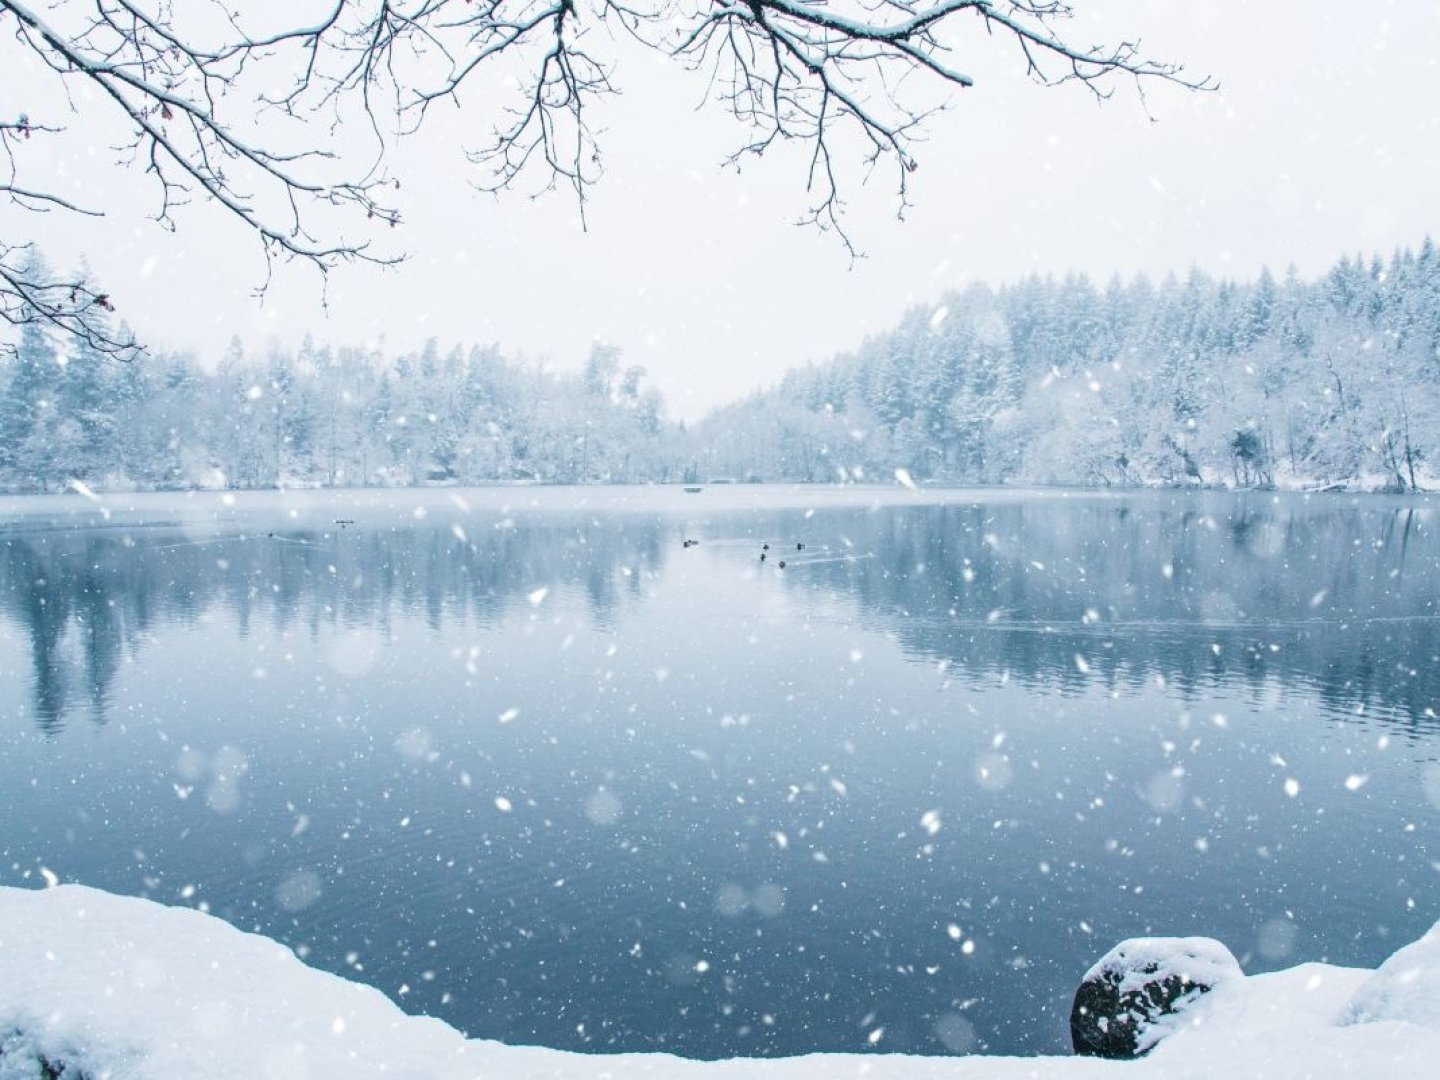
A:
[98, 985]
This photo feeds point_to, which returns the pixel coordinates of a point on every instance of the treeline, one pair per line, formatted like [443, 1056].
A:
[321, 417]
[1328, 383]
[1195, 381]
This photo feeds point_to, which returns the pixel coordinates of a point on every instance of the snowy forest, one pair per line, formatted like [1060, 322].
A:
[1196, 381]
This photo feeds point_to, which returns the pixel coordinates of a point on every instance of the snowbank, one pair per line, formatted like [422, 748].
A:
[101, 985]
[1406, 987]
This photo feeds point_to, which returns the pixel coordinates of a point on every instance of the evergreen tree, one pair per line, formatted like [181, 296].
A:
[86, 435]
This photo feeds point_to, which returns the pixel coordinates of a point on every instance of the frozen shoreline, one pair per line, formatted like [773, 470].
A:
[211, 511]
[133, 990]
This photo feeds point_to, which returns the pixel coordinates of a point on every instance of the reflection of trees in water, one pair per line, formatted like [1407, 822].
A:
[84, 598]
[1194, 591]
[74, 625]
[1063, 594]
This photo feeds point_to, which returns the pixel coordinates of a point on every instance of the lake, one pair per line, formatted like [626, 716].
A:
[528, 762]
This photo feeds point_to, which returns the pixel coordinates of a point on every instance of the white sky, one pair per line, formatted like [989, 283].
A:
[1320, 142]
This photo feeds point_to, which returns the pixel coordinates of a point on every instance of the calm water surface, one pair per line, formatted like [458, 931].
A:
[525, 762]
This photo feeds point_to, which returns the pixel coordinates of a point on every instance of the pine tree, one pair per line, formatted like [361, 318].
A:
[27, 412]
[83, 397]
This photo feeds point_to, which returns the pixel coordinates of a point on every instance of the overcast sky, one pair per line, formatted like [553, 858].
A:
[1324, 139]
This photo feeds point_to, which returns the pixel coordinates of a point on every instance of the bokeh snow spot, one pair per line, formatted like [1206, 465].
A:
[416, 745]
[731, 900]
[229, 766]
[298, 891]
[955, 1033]
[1276, 939]
[1165, 791]
[354, 653]
[603, 807]
[191, 764]
[993, 772]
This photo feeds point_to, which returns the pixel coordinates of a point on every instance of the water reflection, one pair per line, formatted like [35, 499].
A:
[1188, 592]
[1191, 592]
[83, 597]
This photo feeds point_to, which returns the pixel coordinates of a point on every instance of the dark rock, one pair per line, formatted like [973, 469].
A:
[20, 1057]
[1130, 1000]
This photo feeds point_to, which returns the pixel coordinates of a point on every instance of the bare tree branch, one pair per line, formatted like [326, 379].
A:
[221, 107]
[73, 307]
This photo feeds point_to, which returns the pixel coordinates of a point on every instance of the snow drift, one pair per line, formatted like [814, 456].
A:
[94, 985]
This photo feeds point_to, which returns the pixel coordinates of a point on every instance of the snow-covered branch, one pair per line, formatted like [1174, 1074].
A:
[222, 107]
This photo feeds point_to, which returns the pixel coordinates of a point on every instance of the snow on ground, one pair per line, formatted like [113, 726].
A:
[128, 989]
[1406, 987]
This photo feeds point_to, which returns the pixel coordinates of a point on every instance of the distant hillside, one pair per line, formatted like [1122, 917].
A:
[320, 417]
[1334, 382]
